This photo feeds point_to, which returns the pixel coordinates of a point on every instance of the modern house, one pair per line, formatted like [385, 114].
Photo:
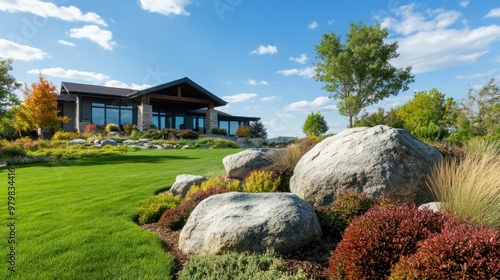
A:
[180, 104]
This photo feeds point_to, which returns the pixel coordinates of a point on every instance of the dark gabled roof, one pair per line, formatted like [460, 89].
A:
[225, 116]
[185, 80]
[92, 90]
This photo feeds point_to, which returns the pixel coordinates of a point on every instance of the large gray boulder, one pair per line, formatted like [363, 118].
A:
[184, 182]
[378, 160]
[238, 165]
[249, 222]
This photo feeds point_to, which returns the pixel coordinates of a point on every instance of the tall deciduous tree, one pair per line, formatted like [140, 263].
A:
[481, 109]
[39, 108]
[358, 72]
[8, 86]
[314, 125]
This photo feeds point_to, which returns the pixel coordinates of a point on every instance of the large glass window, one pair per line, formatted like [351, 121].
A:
[179, 122]
[103, 114]
[199, 123]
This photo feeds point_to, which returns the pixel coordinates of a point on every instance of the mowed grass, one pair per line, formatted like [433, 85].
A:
[75, 218]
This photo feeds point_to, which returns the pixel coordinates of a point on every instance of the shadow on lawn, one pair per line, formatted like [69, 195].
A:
[127, 158]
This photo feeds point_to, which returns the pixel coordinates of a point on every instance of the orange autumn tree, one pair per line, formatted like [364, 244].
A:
[39, 108]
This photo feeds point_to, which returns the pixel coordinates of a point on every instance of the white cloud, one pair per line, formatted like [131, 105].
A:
[9, 49]
[321, 103]
[70, 74]
[166, 7]
[302, 58]
[50, 10]
[313, 25]
[119, 84]
[66, 43]
[307, 72]
[493, 13]
[265, 50]
[95, 34]
[257, 83]
[464, 3]
[477, 75]
[271, 98]
[431, 41]
[241, 97]
[330, 22]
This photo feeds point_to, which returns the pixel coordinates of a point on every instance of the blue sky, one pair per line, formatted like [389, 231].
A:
[257, 55]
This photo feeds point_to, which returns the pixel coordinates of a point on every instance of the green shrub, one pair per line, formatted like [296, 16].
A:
[237, 266]
[175, 218]
[62, 135]
[187, 134]
[112, 127]
[153, 207]
[337, 216]
[12, 152]
[374, 242]
[469, 187]
[220, 131]
[284, 173]
[261, 181]
[218, 182]
[460, 251]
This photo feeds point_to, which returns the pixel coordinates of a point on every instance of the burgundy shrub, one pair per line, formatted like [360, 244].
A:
[460, 251]
[374, 242]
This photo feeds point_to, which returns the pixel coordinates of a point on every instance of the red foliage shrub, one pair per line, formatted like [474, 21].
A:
[374, 242]
[284, 173]
[460, 251]
[90, 128]
[176, 218]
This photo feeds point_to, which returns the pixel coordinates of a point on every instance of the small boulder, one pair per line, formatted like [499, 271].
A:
[129, 142]
[377, 160]
[184, 182]
[434, 206]
[249, 222]
[108, 142]
[238, 165]
[186, 147]
[78, 142]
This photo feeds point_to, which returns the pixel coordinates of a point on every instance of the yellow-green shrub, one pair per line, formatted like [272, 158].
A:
[62, 135]
[112, 127]
[220, 182]
[261, 181]
[153, 207]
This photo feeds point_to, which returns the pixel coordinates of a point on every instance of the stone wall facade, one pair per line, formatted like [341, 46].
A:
[211, 121]
[144, 117]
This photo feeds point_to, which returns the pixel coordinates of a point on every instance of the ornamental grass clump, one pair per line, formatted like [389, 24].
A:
[460, 251]
[374, 242]
[259, 181]
[218, 182]
[291, 155]
[153, 207]
[470, 187]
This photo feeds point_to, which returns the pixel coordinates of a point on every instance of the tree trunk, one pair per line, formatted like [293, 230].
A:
[350, 121]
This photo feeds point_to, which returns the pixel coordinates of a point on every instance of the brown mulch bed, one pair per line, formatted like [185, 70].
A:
[312, 259]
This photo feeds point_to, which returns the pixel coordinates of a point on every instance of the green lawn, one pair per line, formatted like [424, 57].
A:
[74, 218]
